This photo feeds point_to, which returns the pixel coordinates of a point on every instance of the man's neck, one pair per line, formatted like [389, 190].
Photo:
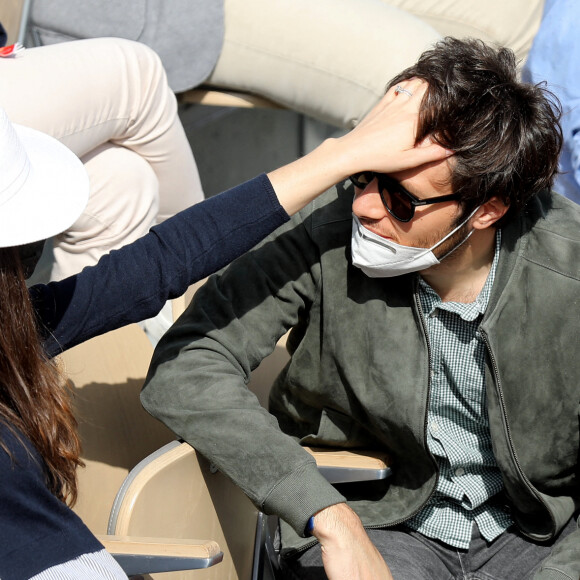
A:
[461, 276]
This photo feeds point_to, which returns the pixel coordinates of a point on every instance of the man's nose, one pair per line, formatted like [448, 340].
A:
[368, 203]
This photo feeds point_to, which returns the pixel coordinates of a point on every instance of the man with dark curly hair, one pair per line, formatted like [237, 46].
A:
[433, 313]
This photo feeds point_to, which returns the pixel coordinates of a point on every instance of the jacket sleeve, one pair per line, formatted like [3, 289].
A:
[197, 382]
[134, 282]
[564, 561]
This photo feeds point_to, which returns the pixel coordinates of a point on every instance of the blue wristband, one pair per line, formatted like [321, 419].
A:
[310, 526]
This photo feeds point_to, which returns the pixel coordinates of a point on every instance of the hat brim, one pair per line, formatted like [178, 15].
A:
[53, 197]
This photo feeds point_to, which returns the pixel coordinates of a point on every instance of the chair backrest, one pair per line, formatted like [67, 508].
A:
[14, 16]
[106, 375]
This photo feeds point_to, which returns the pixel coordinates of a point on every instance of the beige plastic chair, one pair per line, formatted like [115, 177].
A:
[106, 375]
[177, 493]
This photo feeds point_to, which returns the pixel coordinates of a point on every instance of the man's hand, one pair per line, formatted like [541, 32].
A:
[347, 552]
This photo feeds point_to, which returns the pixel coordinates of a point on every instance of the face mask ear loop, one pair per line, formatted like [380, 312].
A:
[452, 232]
[457, 246]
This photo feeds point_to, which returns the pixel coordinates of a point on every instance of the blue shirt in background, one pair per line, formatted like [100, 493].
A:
[555, 58]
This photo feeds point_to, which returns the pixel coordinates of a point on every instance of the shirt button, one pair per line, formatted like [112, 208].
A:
[434, 427]
[459, 471]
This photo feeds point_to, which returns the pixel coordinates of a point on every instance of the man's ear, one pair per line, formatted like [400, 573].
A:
[489, 213]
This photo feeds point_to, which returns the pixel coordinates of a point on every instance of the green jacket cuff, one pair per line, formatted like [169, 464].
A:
[300, 495]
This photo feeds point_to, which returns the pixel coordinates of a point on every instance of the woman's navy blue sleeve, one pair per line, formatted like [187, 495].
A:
[134, 282]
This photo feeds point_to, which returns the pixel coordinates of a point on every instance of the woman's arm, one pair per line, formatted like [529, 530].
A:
[133, 283]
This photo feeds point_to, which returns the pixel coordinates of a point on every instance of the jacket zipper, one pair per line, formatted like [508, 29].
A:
[425, 422]
[513, 454]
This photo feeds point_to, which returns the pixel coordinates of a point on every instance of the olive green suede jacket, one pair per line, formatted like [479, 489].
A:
[359, 374]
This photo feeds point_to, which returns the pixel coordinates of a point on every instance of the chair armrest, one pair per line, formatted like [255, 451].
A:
[342, 466]
[138, 555]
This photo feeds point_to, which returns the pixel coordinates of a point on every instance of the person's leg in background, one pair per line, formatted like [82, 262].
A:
[511, 24]
[329, 59]
[107, 100]
[108, 221]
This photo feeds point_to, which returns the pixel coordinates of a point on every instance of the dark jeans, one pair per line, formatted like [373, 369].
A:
[412, 556]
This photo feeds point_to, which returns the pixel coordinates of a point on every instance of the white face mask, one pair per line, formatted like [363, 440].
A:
[381, 258]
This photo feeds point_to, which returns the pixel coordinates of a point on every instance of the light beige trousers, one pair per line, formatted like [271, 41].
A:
[331, 59]
[108, 101]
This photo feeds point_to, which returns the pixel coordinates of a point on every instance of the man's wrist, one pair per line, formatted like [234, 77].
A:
[335, 519]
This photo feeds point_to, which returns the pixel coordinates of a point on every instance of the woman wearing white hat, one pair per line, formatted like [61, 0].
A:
[43, 188]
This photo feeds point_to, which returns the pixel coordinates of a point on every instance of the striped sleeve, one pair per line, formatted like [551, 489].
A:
[94, 566]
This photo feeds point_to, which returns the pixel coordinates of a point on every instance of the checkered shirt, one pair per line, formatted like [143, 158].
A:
[457, 423]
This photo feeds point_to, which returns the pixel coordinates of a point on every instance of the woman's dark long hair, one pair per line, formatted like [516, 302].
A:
[34, 398]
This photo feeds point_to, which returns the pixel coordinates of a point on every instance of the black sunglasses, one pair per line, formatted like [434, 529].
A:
[399, 202]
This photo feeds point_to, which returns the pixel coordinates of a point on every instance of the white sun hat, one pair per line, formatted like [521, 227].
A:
[43, 185]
